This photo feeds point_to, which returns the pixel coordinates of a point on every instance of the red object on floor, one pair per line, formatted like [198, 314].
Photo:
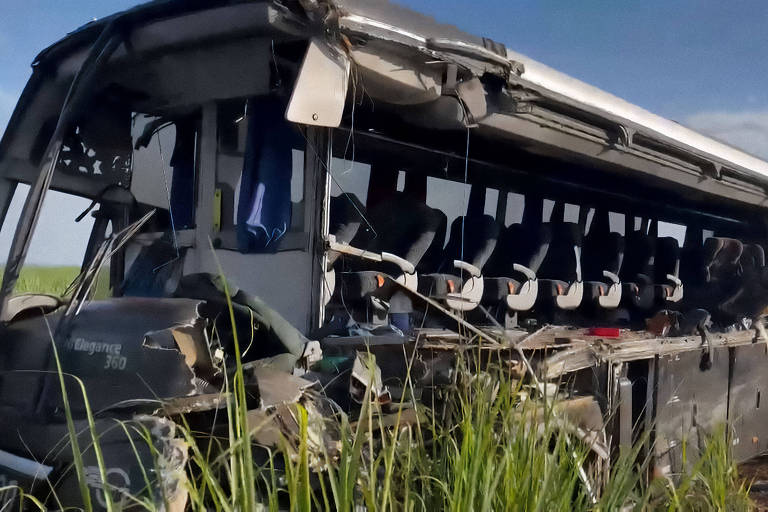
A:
[605, 332]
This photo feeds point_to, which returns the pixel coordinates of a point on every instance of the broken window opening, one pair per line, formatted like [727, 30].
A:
[576, 255]
[350, 177]
[50, 269]
[164, 161]
[164, 179]
[515, 206]
[98, 145]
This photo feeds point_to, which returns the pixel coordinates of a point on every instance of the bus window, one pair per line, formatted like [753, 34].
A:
[616, 221]
[571, 213]
[58, 245]
[164, 166]
[549, 205]
[400, 181]
[515, 207]
[450, 197]
[491, 200]
[350, 177]
[676, 231]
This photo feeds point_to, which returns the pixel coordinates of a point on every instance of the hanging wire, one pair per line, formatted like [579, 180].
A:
[351, 136]
[333, 178]
[279, 82]
[466, 172]
[170, 209]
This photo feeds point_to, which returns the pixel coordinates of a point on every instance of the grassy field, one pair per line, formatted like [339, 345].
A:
[52, 280]
[55, 280]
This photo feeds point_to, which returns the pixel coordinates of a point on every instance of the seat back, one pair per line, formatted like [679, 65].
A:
[563, 258]
[433, 257]
[156, 270]
[667, 259]
[640, 252]
[603, 249]
[473, 239]
[752, 257]
[721, 258]
[524, 245]
[405, 227]
[346, 215]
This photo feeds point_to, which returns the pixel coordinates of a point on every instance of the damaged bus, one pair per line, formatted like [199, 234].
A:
[369, 180]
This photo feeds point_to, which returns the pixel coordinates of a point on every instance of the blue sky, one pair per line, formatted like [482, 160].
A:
[700, 62]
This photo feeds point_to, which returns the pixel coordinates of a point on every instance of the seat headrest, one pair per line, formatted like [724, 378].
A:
[721, 257]
[753, 256]
[602, 251]
[667, 259]
[639, 254]
[405, 226]
[561, 261]
[473, 239]
[346, 215]
[523, 244]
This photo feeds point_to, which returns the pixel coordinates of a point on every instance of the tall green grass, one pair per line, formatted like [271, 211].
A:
[482, 449]
[489, 443]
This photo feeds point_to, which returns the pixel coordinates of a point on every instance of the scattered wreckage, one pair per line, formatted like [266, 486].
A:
[386, 185]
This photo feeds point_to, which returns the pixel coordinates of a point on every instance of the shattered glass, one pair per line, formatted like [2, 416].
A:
[99, 146]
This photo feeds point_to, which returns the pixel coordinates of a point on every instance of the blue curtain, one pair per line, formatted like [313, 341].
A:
[264, 205]
[183, 181]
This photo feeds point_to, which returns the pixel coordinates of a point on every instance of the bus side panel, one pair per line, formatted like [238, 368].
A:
[690, 405]
[747, 409]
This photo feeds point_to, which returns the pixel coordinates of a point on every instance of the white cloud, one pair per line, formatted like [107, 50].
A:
[747, 130]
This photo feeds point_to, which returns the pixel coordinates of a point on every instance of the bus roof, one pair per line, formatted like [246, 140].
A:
[389, 22]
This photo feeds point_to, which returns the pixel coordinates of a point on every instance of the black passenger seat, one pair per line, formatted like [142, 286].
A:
[519, 252]
[562, 287]
[668, 287]
[750, 299]
[602, 261]
[637, 271]
[458, 280]
[404, 230]
[718, 277]
[346, 216]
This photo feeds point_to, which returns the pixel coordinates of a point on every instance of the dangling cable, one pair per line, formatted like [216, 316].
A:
[333, 178]
[170, 209]
[466, 207]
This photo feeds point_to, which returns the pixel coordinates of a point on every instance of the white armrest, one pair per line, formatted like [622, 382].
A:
[613, 297]
[530, 274]
[573, 296]
[349, 250]
[408, 277]
[677, 293]
[524, 299]
[471, 289]
[467, 267]
[405, 265]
